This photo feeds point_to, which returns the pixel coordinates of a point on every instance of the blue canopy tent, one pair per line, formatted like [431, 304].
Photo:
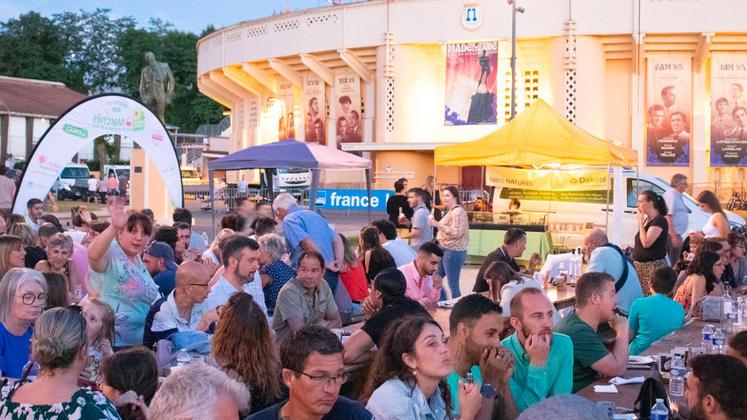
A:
[292, 154]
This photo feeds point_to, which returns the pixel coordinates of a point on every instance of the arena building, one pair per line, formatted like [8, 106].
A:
[393, 79]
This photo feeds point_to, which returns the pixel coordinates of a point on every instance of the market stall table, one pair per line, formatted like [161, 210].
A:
[485, 238]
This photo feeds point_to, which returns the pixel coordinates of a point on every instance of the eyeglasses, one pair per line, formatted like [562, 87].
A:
[30, 298]
[327, 380]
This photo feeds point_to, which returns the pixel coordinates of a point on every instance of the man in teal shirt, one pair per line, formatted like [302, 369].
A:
[544, 360]
[655, 316]
[476, 323]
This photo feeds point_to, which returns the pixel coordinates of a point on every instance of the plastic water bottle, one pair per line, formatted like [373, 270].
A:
[562, 275]
[183, 357]
[572, 266]
[579, 263]
[677, 377]
[718, 342]
[707, 332]
[740, 309]
[730, 312]
[659, 410]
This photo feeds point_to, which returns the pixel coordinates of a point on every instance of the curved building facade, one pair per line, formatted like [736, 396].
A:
[393, 79]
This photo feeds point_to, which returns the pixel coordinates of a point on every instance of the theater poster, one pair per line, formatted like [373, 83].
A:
[471, 83]
[314, 109]
[287, 120]
[728, 109]
[668, 110]
[348, 120]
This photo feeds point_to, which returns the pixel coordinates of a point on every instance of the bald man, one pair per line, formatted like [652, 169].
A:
[605, 257]
[183, 309]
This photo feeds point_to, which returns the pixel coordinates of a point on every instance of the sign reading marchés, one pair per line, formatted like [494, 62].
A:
[583, 186]
[120, 117]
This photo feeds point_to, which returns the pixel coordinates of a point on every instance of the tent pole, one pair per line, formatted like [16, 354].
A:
[314, 188]
[607, 213]
[368, 192]
[211, 187]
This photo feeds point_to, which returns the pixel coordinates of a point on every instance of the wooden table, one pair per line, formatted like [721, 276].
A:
[562, 298]
[687, 336]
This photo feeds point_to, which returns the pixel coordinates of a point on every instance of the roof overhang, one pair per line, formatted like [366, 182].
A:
[391, 147]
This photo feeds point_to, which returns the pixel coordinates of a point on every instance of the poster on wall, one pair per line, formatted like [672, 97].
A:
[315, 106]
[669, 108]
[728, 110]
[287, 120]
[349, 127]
[471, 83]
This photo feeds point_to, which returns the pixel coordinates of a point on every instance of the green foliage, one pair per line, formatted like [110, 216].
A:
[92, 52]
[32, 47]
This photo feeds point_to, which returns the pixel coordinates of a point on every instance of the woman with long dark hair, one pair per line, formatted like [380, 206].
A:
[374, 257]
[407, 378]
[650, 249]
[702, 279]
[243, 348]
[453, 238]
[717, 225]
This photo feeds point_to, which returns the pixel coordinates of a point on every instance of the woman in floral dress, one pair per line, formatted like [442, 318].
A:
[59, 346]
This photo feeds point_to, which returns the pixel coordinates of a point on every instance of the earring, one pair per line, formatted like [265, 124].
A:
[415, 372]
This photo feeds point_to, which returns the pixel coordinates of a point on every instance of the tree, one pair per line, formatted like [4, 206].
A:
[92, 46]
[32, 47]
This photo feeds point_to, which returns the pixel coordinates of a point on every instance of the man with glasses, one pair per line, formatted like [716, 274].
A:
[314, 372]
[182, 310]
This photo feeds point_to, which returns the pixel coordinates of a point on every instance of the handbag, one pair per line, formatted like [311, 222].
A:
[651, 389]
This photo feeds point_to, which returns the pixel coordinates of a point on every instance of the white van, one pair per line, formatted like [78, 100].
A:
[119, 171]
[568, 219]
[72, 182]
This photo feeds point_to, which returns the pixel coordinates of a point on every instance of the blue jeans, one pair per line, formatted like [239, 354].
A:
[451, 266]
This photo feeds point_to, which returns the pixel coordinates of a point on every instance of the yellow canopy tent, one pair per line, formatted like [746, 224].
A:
[536, 137]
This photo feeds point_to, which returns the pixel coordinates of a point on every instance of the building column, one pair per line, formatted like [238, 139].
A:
[4, 122]
[29, 136]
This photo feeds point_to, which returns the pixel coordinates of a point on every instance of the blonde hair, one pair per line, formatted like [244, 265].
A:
[23, 231]
[107, 318]
[59, 336]
[11, 281]
[8, 244]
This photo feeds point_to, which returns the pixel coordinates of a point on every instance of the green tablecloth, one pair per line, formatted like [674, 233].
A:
[483, 242]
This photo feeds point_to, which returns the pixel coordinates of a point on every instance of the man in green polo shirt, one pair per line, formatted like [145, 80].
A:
[544, 360]
[596, 301]
[305, 299]
[475, 347]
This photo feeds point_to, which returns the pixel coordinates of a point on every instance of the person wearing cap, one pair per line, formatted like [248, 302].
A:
[184, 309]
[159, 260]
[386, 303]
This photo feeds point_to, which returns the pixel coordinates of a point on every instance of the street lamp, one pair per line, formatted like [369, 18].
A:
[514, 9]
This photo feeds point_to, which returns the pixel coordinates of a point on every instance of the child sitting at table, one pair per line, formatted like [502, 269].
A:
[657, 315]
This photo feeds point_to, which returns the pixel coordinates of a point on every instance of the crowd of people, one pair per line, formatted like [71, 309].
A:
[84, 312]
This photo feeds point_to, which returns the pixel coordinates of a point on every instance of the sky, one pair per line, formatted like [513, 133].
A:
[186, 15]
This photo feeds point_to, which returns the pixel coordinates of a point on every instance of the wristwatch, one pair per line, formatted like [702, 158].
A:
[488, 391]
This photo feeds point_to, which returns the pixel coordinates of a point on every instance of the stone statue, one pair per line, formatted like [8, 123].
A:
[156, 85]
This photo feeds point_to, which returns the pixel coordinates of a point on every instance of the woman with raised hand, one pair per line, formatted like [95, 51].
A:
[118, 275]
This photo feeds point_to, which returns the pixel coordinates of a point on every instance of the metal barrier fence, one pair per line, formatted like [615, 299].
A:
[225, 198]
